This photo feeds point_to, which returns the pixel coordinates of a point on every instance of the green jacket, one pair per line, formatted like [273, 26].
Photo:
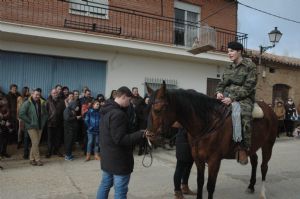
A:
[28, 114]
[239, 81]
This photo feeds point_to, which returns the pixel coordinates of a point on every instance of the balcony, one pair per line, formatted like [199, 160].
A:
[102, 19]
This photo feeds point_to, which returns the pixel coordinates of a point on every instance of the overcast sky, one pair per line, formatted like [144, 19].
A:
[257, 25]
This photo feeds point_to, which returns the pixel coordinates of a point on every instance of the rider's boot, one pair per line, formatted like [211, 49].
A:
[242, 156]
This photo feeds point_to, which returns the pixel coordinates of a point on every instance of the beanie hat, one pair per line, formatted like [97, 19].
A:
[235, 45]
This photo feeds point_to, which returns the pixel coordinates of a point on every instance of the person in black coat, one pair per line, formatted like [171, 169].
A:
[70, 127]
[5, 127]
[55, 107]
[290, 111]
[184, 164]
[116, 143]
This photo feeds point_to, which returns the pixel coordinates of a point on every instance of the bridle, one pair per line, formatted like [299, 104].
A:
[164, 105]
[148, 144]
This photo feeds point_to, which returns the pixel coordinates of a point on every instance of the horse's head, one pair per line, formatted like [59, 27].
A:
[160, 117]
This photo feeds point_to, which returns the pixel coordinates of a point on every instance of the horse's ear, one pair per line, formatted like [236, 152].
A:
[162, 91]
[164, 84]
[149, 90]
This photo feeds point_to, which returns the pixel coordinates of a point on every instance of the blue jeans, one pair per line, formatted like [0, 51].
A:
[120, 183]
[92, 138]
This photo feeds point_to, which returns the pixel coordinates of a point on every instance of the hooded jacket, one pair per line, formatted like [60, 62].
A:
[116, 142]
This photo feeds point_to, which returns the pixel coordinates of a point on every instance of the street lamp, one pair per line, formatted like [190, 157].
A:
[274, 37]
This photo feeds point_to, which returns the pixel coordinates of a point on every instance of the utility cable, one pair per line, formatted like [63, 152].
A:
[268, 13]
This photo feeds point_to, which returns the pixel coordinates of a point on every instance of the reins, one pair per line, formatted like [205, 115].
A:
[147, 150]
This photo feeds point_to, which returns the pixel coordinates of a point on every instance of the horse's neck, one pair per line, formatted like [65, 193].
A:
[192, 122]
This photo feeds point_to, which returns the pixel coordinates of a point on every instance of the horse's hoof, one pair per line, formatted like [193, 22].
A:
[249, 190]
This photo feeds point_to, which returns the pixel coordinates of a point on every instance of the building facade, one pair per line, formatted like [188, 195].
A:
[104, 44]
[278, 78]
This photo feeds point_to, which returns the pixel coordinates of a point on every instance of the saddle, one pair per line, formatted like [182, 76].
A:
[257, 111]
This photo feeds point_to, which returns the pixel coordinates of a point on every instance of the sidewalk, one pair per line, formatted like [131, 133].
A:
[60, 179]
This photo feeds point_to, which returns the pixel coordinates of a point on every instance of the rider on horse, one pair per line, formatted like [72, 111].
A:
[238, 85]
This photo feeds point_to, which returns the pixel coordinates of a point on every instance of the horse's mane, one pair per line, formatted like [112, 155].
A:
[209, 110]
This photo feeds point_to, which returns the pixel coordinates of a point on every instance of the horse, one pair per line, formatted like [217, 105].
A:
[209, 125]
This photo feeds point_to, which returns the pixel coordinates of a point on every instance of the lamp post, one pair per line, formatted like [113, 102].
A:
[274, 37]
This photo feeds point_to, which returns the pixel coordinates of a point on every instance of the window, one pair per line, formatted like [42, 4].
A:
[211, 86]
[155, 83]
[272, 70]
[91, 8]
[186, 23]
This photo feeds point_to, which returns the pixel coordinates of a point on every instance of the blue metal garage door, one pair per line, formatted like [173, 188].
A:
[47, 71]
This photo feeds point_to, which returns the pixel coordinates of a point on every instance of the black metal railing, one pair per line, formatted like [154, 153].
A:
[96, 18]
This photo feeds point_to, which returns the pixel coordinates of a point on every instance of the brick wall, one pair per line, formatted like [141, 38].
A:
[132, 24]
[283, 75]
[226, 18]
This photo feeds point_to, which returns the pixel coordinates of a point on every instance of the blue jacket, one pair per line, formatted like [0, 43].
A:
[92, 120]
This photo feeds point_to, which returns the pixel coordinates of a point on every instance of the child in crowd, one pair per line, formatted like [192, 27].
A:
[92, 119]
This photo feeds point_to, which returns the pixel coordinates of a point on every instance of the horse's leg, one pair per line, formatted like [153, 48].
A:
[253, 160]
[213, 170]
[200, 178]
[266, 156]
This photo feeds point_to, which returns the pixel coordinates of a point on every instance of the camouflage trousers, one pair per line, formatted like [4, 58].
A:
[246, 118]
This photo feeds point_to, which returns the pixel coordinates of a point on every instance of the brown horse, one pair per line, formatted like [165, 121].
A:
[209, 124]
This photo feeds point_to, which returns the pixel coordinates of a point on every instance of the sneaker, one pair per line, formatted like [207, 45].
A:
[69, 158]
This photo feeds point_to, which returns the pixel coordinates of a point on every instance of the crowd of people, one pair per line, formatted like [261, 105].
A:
[63, 119]
[67, 117]
[287, 114]
[116, 124]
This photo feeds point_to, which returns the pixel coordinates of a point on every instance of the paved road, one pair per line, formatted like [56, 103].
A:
[59, 179]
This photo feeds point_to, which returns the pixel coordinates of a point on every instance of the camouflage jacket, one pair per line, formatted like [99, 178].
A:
[239, 81]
